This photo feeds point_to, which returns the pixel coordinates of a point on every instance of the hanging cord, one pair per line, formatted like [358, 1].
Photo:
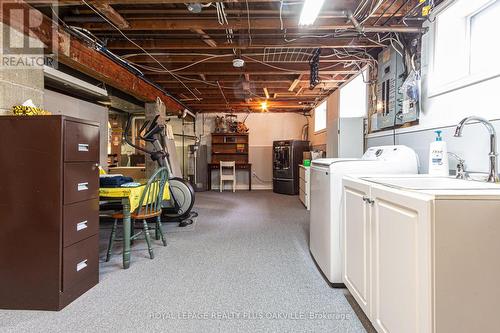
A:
[249, 28]
[281, 14]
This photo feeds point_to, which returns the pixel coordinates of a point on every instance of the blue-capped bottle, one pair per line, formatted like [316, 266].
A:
[438, 157]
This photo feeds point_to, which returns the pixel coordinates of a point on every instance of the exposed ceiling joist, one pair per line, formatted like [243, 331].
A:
[183, 44]
[105, 9]
[84, 58]
[205, 37]
[135, 2]
[242, 23]
[295, 83]
[196, 48]
[266, 92]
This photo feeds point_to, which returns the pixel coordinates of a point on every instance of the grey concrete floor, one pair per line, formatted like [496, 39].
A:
[244, 267]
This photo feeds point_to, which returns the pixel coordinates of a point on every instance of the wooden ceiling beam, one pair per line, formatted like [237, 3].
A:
[232, 91]
[246, 111]
[271, 82]
[166, 59]
[239, 23]
[105, 9]
[252, 68]
[295, 83]
[205, 37]
[135, 2]
[255, 12]
[192, 45]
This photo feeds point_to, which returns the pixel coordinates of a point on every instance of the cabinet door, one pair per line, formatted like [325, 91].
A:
[356, 242]
[401, 261]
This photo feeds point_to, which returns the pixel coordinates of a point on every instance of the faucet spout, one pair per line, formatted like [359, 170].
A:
[493, 155]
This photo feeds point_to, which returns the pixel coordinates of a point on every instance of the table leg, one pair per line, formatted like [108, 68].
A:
[249, 179]
[126, 233]
[209, 178]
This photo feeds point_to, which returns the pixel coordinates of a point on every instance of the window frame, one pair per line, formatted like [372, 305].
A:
[364, 72]
[468, 78]
[325, 103]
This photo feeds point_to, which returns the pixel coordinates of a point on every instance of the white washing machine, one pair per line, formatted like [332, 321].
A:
[326, 198]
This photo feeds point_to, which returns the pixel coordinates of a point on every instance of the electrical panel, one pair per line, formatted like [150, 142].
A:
[398, 96]
[389, 98]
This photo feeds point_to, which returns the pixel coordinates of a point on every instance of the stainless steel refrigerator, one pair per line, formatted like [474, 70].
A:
[287, 156]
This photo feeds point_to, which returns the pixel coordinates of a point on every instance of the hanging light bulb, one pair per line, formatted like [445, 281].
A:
[263, 106]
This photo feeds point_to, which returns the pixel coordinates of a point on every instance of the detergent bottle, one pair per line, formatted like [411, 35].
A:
[438, 157]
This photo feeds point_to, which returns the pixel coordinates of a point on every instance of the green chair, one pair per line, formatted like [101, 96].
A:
[149, 207]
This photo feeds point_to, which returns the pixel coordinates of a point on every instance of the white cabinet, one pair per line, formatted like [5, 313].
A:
[400, 262]
[422, 261]
[305, 186]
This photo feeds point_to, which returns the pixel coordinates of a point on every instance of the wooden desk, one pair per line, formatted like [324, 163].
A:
[239, 166]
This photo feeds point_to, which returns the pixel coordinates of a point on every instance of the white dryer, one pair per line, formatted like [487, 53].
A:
[326, 199]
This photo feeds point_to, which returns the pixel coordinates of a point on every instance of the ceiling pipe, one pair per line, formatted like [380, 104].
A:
[354, 21]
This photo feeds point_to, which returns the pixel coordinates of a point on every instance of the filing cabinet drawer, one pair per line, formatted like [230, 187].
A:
[81, 182]
[80, 262]
[81, 142]
[80, 221]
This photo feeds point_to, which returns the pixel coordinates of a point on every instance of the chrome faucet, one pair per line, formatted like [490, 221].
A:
[493, 155]
[461, 171]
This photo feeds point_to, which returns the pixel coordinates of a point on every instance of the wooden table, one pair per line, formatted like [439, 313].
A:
[239, 166]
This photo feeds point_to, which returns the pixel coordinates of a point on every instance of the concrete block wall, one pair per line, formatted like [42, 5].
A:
[18, 83]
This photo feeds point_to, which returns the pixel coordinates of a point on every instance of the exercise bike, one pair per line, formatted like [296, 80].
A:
[178, 209]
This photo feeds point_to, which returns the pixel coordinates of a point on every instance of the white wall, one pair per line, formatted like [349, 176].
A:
[61, 104]
[322, 139]
[264, 129]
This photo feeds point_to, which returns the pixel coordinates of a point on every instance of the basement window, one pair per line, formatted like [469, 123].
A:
[353, 97]
[320, 117]
[462, 50]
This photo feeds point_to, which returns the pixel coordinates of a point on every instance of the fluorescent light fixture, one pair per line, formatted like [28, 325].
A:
[72, 81]
[310, 11]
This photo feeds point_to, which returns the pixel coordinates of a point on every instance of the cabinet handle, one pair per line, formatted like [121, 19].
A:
[83, 147]
[368, 200]
[82, 225]
[81, 265]
[83, 186]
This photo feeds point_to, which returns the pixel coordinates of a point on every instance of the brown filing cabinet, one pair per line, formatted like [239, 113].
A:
[49, 211]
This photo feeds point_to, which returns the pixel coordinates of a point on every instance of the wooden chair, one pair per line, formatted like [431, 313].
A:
[225, 176]
[149, 207]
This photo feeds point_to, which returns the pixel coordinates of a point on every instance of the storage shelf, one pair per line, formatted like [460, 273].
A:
[237, 153]
[229, 143]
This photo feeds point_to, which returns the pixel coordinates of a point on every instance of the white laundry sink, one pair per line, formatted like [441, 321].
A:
[432, 183]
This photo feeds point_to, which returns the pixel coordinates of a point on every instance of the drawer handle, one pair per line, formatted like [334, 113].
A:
[83, 147]
[82, 225]
[83, 186]
[81, 265]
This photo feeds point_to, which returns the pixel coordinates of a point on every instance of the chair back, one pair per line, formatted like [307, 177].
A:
[152, 196]
[227, 164]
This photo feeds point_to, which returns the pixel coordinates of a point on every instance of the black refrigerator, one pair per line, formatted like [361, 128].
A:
[287, 156]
